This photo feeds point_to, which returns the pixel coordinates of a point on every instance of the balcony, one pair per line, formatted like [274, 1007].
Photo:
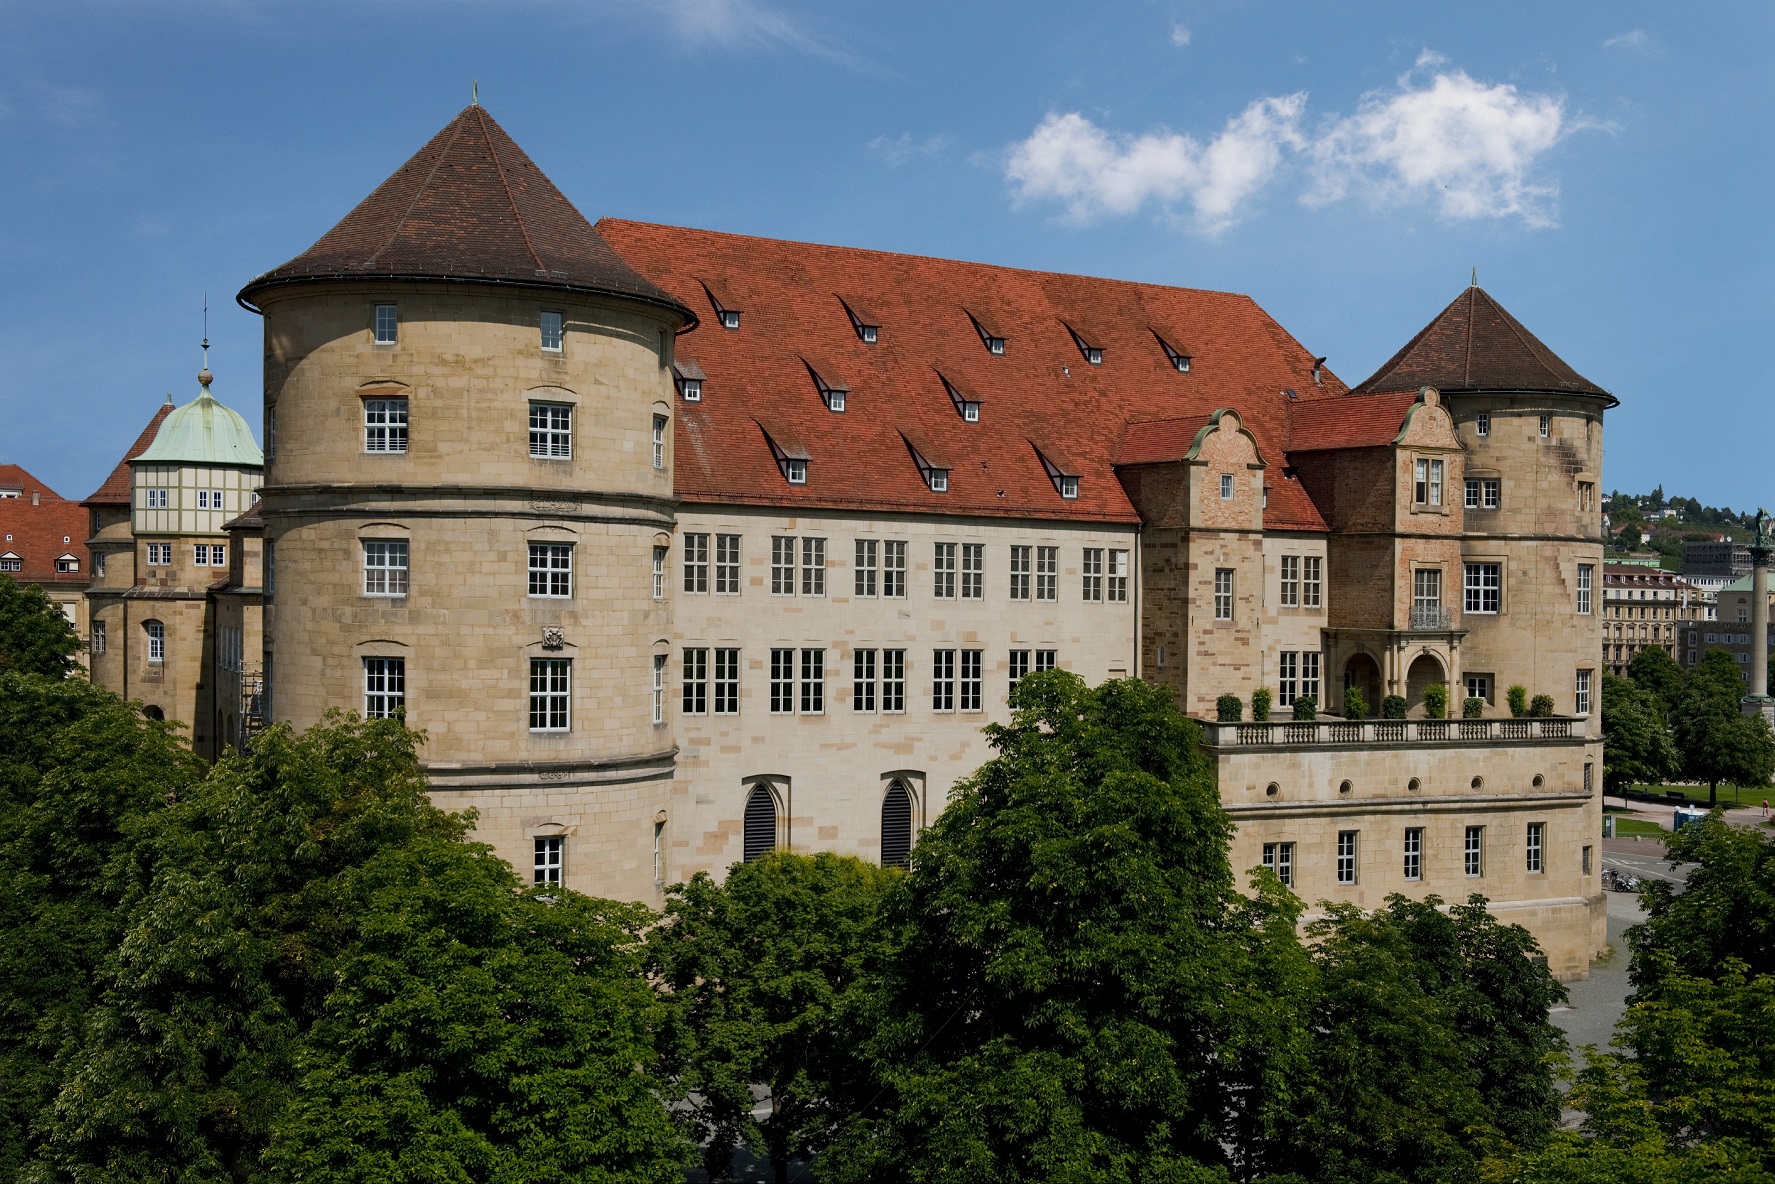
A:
[1334, 732]
[1432, 618]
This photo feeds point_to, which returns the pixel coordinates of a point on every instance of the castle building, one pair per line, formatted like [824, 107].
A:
[42, 543]
[682, 545]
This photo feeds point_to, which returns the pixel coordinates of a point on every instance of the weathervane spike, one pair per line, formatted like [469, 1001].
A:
[1475, 281]
[474, 93]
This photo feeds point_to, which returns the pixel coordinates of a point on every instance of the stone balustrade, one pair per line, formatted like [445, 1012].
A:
[1332, 731]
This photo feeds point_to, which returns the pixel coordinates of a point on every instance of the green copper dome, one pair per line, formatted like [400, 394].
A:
[204, 432]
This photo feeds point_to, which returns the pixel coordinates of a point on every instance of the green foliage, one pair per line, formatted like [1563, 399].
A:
[760, 972]
[35, 637]
[1517, 697]
[1655, 671]
[1435, 701]
[1355, 706]
[1716, 740]
[1541, 707]
[1725, 912]
[1393, 707]
[1229, 709]
[1472, 707]
[1306, 707]
[1260, 705]
[1637, 748]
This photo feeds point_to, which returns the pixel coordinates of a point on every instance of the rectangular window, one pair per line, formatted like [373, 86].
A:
[1435, 483]
[1546, 426]
[862, 680]
[551, 569]
[696, 562]
[1586, 496]
[696, 682]
[1223, 593]
[387, 324]
[1532, 847]
[1581, 694]
[782, 565]
[1045, 660]
[1427, 482]
[1226, 487]
[813, 567]
[866, 566]
[727, 682]
[659, 441]
[1346, 857]
[1479, 687]
[1279, 858]
[550, 324]
[551, 431]
[1291, 581]
[98, 637]
[548, 860]
[943, 680]
[1414, 852]
[893, 570]
[782, 682]
[1426, 588]
[1483, 585]
[1091, 573]
[156, 640]
[1020, 572]
[203, 500]
[1019, 667]
[1287, 678]
[385, 568]
[385, 425]
[893, 680]
[659, 573]
[1473, 852]
[943, 572]
[973, 571]
[156, 498]
[160, 554]
[727, 565]
[1482, 423]
[1310, 581]
[971, 681]
[1586, 577]
[813, 682]
[385, 687]
[98, 564]
[659, 688]
[1116, 586]
[551, 694]
[1309, 675]
[1586, 860]
[1047, 573]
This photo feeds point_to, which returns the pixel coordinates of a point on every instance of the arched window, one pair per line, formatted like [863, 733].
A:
[761, 823]
[153, 712]
[896, 826]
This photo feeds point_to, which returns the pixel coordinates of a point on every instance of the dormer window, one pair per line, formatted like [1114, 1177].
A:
[791, 459]
[11, 561]
[938, 479]
[1178, 358]
[993, 342]
[936, 476]
[832, 391]
[67, 565]
[724, 312]
[868, 328]
[1066, 484]
[795, 470]
[1069, 487]
[689, 377]
[1093, 354]
[966, 405]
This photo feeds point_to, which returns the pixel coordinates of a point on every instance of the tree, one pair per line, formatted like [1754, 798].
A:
[1725, 910]
[758, 969]
[1656, 671]
[1636, 744]
[1717, 741]
[35, 637]
[1071, 1001]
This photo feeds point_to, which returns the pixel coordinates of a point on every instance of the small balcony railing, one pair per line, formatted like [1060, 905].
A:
[1332, 731]
[1432, 617]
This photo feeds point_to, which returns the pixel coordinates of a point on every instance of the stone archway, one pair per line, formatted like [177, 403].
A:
[1364, 673]
[1425, 670]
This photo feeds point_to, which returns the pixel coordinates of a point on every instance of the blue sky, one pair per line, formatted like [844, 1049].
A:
[1607, 167]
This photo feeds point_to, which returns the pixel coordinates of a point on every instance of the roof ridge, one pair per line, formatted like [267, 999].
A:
[505, 186]
[418, 192]
[1467, 360]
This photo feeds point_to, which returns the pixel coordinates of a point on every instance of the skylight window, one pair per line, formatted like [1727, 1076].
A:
[868, 327]
[966, 405]
[1093, 354]
[689, 378]
[1179, 359]
[993, 342]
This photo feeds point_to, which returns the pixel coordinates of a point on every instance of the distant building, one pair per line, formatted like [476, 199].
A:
[1720, 558]
[43, 542]
[1643, 607]
[1730, 630]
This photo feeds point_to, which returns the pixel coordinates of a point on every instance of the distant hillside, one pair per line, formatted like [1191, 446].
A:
[1653, 522]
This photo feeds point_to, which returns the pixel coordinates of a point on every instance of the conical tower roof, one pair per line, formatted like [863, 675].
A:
[1476, 345]
[470, 205]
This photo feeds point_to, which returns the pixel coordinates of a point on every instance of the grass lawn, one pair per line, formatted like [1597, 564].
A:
[1627, 828]
[1729, 795]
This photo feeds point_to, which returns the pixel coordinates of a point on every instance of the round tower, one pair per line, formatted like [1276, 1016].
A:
[469, 499]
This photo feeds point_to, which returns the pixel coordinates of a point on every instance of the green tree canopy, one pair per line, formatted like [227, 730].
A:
[35, 637]
[1636, 744]
[1725, 910]
[1656, 671]
[1718, 742]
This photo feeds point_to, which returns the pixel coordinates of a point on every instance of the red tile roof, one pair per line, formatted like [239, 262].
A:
[1153, 441]
[116, 489]
[1354, 421]
[1041, 394]
[470, 205]
[1474, 344]
[40, 526]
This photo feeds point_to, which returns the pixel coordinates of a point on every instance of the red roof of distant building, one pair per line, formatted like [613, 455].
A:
[116, 489]
[1040, 397]
[1356, 421]
[39, 526]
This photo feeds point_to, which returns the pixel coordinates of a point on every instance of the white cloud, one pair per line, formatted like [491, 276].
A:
[1636, 39]
[1467, 148]
[1070, 159]
[731, 24]
[897, 150]
[1180, 35]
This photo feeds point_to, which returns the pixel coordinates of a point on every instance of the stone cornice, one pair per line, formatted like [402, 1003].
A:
[282, 503]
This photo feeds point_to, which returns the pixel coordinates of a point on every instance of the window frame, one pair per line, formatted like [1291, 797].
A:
[782, 564]
[782, 680]
[865, 568]
[696, 562]
[551, 430]
[726, 681]
[727, 564]
[1116, 576]
[1278, 857]
[1412, 863]
[973, 571]
[659, 443]
[1289, 596]
[1224, 591]
[1534, 849]
[1091, 575]
[548, 859]
[863, 675]
[812, 700]
[1473, 853]
[971, 682]
[893, 682]
[1047, 574]
[392, 323]
[386, 423]
[694, 681]
[1312, 581]
[551, 327]
[944, 561]
[943, 681]
[1482, 588]
[385, 687]
[1347, 847]
[554, 581]
[813, 565]
[553, 699]
[156, 631]
[1585, 586]
[893, 569]
[1583, 688]
[1022, 565]
[388, 549]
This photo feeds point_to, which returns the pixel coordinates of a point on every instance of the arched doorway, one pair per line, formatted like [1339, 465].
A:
[1425, 670]
[1364, 673]
[896, 826]
[761, 823]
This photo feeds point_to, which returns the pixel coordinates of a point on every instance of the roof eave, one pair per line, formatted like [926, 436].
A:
[244, 298]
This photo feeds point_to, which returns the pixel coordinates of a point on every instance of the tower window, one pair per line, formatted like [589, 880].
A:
[551, 331]
[659, 441]
[1546, 426]
[156, 640]
[551, 431]
[385, 425]
[551, 694]
[385, 687]
[549, 851]
[1482, 423]
[387, 324]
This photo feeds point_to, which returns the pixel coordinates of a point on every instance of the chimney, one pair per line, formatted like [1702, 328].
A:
[36, 497]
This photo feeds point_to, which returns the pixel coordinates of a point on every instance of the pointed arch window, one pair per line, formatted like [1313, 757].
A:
[896, 826]
[761, 823]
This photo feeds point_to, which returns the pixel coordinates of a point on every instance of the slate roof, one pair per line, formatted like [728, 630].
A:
[470, 205]
[116, 491]
[41, 533]
[1041, 394]
[1475, 345]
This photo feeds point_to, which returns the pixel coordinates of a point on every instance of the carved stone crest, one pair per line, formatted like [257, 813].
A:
[553, 637]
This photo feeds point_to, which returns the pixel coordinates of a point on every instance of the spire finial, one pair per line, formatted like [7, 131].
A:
[204, 377]
[1475, 281]
[474, 93]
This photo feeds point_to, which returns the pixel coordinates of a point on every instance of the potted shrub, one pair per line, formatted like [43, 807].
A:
[1260, 705]
[1435, 701]
[1393, 707]
[1518, 697]
[1473, 707]
[1229, 709]
[1540, 707]
[1355, 706]
[1306, 707]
